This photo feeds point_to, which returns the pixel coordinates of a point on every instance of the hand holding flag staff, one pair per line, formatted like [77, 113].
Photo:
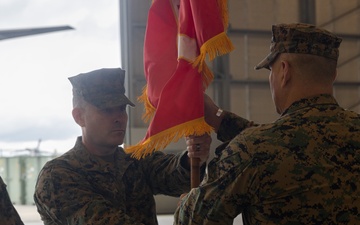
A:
[179, 35]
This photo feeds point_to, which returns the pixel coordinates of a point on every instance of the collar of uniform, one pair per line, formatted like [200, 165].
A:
[323, 99]
[93, 163]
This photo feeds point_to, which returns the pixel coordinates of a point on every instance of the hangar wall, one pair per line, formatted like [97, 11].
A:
[237, 86]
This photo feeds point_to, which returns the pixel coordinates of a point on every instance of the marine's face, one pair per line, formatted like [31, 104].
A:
[105, 127]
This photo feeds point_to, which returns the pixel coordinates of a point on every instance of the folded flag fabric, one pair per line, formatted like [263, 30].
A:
[180, 36]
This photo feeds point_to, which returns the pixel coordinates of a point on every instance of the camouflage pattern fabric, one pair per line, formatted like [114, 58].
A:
[302, 169]
[79, 188]
[8, 214]
[103, 88]
[231, 125]
[301, 38]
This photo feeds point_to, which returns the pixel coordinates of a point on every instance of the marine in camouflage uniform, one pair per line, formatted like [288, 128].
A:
[8, 214]
[81, 188]
[302, 169]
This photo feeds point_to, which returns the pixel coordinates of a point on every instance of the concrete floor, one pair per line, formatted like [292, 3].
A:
[30, 216]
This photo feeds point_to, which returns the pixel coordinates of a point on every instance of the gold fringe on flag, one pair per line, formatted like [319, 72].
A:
[149, 110]
[224, 12]
[159, 141]
[218, 45]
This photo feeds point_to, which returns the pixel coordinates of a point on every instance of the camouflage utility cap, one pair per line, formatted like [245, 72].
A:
[103, 88]
[302, 39]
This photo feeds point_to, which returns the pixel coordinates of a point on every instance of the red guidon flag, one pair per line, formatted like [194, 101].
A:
[179, 35]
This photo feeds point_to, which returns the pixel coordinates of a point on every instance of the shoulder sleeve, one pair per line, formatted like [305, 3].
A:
[231, 125]
[64, 195]
[8, 214]
[225, 193]
[166, 174]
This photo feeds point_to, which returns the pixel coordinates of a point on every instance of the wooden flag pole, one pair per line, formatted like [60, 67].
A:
[195, 172]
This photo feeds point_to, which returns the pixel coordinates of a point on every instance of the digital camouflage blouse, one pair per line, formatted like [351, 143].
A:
[79, 188]
[302, 169]
[8, 214]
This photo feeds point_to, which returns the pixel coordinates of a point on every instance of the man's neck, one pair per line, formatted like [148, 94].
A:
[108, 158]
[99, 150]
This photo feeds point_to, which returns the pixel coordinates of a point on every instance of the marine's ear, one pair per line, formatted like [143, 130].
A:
[286, 73]
[78, 115]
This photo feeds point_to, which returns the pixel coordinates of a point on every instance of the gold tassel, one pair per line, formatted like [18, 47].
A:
[218, 45]
[159, 141]
[149, 108]
[207, 76]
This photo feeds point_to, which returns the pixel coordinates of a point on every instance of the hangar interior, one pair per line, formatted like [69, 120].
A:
[237, 87]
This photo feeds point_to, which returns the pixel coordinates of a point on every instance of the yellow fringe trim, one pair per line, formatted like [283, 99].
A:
[223, 5]
[159, 141]
[218, 45]
[207, 76]
[149, 108]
